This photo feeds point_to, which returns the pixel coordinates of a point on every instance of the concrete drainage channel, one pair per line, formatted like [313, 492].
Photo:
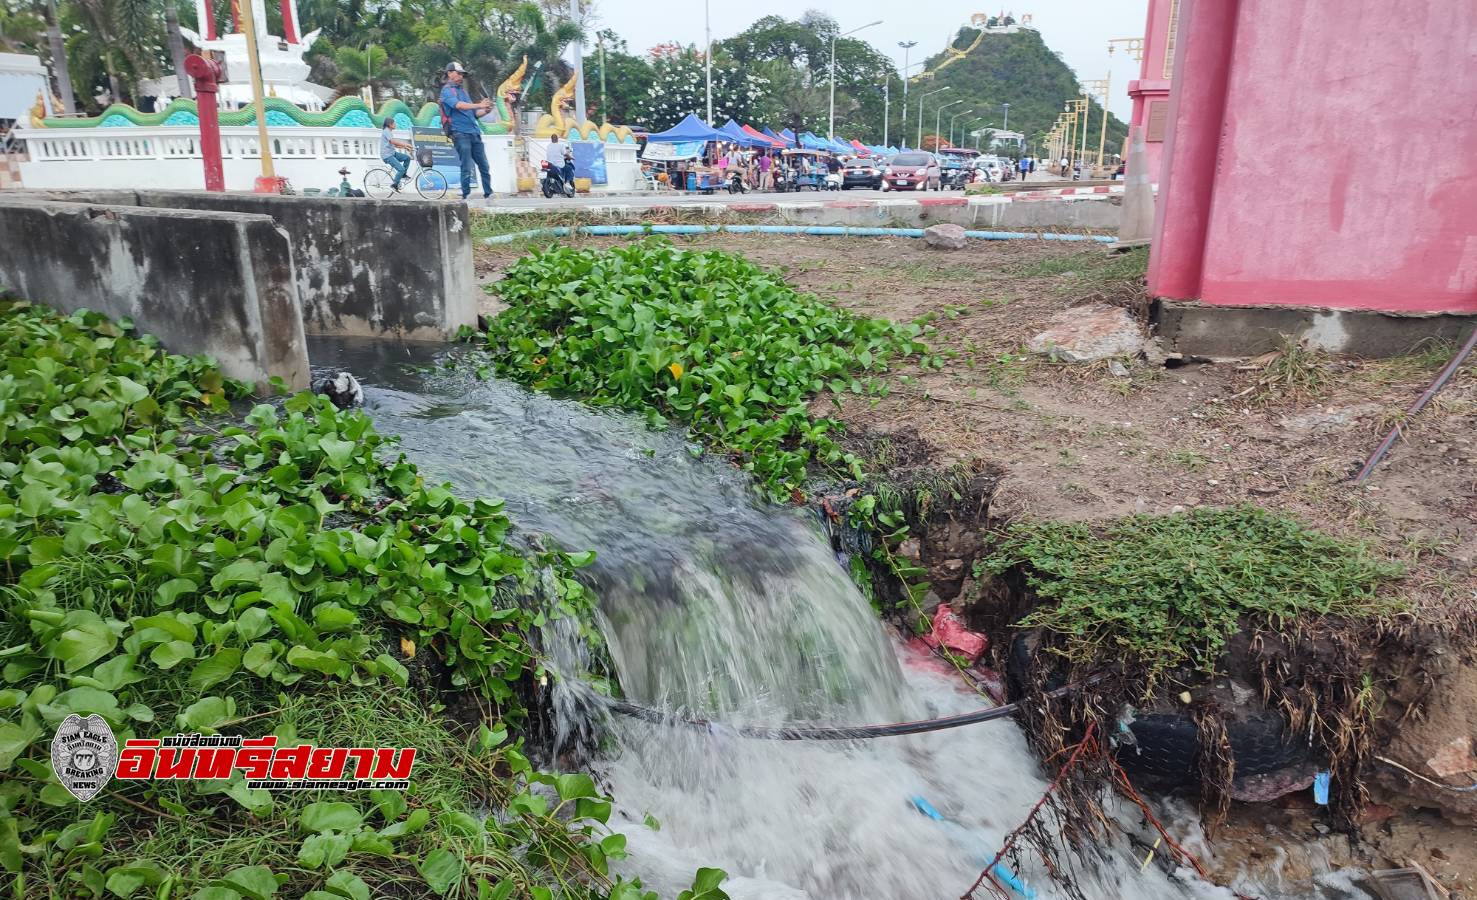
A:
[244, 278]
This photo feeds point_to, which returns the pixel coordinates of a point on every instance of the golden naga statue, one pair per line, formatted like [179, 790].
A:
[38, 112]
[560, 118]
[511, 89]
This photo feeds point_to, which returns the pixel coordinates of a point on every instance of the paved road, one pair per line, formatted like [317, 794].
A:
[802, 198]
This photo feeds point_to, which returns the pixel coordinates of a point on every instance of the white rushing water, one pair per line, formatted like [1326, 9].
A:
[724, 608]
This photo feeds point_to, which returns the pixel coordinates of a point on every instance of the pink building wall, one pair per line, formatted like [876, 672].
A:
[1322, 153]
[1150, 91]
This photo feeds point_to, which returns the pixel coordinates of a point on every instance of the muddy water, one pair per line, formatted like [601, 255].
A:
[714, 604]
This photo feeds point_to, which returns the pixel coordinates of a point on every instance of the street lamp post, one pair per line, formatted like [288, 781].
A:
[831, 116]
[906, 45]
[951, 123]
[1005, 123]
[938, 116]
[921, 98]
[579, 65]
[886, 107]
[708, 56]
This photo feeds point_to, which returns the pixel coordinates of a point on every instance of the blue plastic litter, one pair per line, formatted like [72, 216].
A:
[1320, 788]
[1001, 873]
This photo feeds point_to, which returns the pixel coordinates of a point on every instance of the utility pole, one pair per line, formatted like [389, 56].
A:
[580, 116]
[906, 45]
[921, 98]
[1005, 123]
[267, 183]
[600, 43]
[831, 115]
[708, 55]
[887, 106]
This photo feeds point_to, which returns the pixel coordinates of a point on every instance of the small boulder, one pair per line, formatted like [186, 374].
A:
[1085, 334]
[343, 389]
[945, 237]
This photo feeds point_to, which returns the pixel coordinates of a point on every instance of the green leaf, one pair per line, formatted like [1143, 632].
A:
[168, 655]
[215, 668]
[207, 714]
[575, 786]
[254, 882]
[327, 849]
[330, 816]
[85, 642]
[339, 453]
[441, 869]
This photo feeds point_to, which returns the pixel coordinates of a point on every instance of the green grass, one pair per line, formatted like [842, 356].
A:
[1161, 592]
[1090, 271]
[176, 571]
[706, 339]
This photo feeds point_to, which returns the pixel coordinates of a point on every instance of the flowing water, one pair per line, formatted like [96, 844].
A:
[739, 611]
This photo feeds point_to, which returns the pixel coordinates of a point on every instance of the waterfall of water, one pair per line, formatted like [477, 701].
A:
[717, 605]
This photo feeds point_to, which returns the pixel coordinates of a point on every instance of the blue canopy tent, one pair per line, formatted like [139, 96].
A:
[789, 142]
[788, 135]
[689, 129]
[734, 133]
[840, 146]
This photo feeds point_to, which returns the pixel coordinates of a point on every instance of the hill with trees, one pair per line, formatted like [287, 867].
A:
[1016, 68]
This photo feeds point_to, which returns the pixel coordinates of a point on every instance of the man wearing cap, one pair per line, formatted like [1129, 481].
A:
[462, 115]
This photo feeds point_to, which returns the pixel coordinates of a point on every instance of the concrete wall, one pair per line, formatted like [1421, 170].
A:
[373, 269]
[202, 282]
[1197, 329]
[1317, 160]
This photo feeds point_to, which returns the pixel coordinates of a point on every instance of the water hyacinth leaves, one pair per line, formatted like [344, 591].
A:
[707, 339]
[170, 569]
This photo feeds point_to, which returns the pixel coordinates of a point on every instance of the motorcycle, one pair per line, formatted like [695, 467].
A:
[551, 180]
[736, 184]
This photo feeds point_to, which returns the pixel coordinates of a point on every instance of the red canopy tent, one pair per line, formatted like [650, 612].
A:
[860, 147]
[759, 135]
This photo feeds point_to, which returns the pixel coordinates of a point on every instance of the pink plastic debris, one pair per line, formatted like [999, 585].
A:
[949, 632]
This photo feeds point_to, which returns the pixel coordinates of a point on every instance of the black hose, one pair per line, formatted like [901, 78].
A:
[831, 733]
[1417, 406]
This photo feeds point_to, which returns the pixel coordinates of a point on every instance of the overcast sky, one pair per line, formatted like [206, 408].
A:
[1079, 29]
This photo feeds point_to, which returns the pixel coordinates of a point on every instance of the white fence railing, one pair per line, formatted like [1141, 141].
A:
[168, 157]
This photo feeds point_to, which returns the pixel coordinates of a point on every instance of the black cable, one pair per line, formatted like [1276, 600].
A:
[832, 733]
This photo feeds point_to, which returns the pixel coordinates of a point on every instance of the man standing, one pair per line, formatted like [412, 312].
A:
[560, 158]
[1025, 167]
[461, 115]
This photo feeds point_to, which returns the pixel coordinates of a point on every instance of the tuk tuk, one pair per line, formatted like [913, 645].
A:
[800, 169]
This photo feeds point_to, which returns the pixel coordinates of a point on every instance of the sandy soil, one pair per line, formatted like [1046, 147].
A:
[1082, 443]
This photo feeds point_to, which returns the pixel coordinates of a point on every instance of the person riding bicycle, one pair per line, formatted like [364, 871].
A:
[388, 144]
[560, 158]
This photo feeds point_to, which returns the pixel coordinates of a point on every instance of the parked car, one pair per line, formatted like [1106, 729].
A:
[912, 171]
[861, 172]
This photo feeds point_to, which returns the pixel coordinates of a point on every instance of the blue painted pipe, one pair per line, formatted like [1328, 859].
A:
[1009, 878]
[817, 230]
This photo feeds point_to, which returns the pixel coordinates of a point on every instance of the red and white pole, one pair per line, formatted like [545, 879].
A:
[207, 73]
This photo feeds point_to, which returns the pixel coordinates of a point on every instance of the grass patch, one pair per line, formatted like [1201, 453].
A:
[173, 571]
[707, 339]
[1294, 371]
[1161, 592]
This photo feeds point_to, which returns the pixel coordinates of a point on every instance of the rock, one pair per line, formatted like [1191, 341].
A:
[1085, 334]
[343, 389]
[1326, 419]
[1117, 369]
[1454, 758]
[910, 550]
[945, 237]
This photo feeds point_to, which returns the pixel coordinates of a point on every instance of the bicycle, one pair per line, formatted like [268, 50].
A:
[379, 182]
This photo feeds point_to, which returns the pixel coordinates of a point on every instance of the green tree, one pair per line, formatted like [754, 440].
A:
[625, 77]
[370, 66]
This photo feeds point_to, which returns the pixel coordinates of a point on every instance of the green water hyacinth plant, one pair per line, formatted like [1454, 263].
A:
[172, 568]
[706, 339]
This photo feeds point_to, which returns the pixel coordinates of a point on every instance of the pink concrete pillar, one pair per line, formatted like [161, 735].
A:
[1197, 105]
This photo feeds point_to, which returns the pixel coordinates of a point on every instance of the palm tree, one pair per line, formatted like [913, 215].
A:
[176, 46]
[370, 66]
[59, 58]
[542, 42]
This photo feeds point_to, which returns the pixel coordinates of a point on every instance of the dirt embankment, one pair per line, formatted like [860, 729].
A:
[1092, 443]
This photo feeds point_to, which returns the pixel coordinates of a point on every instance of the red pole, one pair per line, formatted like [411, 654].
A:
[206, 72]
[289, 23]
